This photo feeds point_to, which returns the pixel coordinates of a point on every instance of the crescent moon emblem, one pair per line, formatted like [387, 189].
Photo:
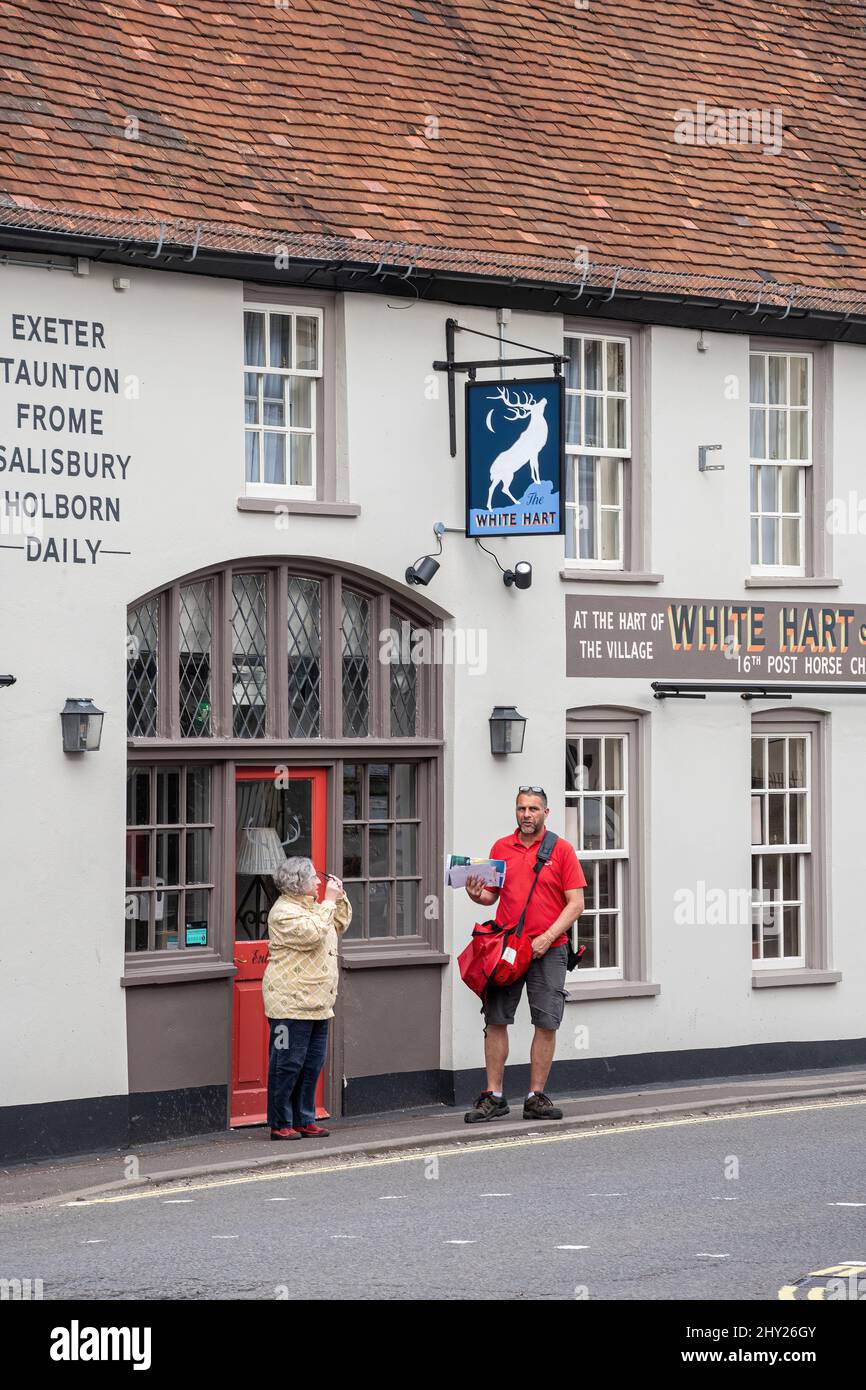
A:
[489, 418]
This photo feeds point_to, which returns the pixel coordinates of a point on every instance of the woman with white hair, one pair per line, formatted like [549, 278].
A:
[299, 987]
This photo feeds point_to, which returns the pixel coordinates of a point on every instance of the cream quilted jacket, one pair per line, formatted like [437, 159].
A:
[300, 979]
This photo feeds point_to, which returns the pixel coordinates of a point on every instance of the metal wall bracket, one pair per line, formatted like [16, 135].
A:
[748, 690]
[703, 466]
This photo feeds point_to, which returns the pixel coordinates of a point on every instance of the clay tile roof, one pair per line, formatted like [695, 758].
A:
[483, 138]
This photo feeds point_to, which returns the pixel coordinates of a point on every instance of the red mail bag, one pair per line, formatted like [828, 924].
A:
[500, 955]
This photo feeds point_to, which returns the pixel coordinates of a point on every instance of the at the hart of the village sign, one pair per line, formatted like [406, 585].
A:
[709, 639]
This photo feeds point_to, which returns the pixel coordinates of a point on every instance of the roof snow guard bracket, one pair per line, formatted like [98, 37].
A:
[747, 690]
[555, 359]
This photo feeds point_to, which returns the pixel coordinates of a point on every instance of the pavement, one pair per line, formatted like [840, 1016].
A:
[57, 1180]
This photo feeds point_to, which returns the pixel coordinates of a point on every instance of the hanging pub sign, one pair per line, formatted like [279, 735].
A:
[669, 638]
[514, 458]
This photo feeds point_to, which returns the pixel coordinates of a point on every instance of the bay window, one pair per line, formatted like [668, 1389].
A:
[240, 681]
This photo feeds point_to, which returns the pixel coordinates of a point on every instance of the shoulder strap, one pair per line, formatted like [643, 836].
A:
[545, 850]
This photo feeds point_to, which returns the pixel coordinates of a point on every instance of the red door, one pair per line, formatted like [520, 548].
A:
[280, 812]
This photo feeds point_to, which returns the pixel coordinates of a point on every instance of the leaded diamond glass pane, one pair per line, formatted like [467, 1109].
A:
[356, 664]
[404, 682]
[305, 656]
[194, 661]
[142, 651]
[249, 654]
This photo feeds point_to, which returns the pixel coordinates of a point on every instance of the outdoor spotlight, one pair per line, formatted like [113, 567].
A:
[507, 728]
[422, 571]
[6, 680]
[520, 576]
[81, 724]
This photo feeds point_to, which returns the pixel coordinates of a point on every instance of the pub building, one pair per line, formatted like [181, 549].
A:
[338, 498]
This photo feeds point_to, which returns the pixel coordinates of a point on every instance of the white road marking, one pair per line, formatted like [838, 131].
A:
[278, 1199]
[605, 1194]
[494, 1194]
[705, 1255]
[225, 1237]
[460, 1242]
[571, 1247]
[344, 1237]
[94, 1242]
[394, 1197]
[723, 1199]
[846, 1204]
[473, 1147]
[177, 1201]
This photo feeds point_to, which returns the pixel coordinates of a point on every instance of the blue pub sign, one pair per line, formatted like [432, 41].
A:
[514, 458]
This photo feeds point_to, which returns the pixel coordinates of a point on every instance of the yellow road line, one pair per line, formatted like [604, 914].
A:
[456, 1150]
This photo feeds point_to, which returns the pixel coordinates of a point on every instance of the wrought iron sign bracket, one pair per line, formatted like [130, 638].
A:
[554, 359]
[747, 690]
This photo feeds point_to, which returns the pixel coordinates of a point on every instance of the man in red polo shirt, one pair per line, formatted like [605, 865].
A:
[556, 903]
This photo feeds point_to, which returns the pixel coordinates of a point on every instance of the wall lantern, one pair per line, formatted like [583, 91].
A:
[507, 728]
[81, 723]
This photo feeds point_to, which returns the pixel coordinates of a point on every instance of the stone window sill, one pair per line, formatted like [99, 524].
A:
[373, 957]
[576, 575]
[297, 506]
[777, 979]
[793, 581]
[610, 989]
[175, 974]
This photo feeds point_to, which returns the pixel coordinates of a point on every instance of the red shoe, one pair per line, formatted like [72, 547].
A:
[312, 1132]
[285, 1134]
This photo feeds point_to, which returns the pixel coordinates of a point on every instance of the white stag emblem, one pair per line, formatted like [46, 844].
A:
[525, 448]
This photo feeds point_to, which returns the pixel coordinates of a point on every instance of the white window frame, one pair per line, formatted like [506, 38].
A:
[623, 455]
[762, 849]
[618, 857]
[304, 491]
[758, 515]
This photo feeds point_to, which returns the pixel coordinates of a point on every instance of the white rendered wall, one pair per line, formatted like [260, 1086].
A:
[62, 630]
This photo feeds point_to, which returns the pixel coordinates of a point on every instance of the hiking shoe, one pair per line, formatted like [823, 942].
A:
[540, 1107]
[486, 1107]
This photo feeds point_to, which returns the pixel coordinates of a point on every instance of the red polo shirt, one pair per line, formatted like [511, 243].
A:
[561, 872]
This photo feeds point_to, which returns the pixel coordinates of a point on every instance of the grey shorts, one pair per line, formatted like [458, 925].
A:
[545, 987]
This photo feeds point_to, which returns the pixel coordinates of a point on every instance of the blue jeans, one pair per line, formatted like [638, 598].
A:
[296, 1055]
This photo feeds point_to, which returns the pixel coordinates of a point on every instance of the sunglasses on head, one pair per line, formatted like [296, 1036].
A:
[532, 789]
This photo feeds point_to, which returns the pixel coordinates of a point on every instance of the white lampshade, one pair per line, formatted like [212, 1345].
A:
[259, 851]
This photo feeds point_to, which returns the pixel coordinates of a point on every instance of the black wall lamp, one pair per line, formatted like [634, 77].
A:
[424, 569]
[6, 680]
[520, 576]
[81, 725]
[507, 728]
